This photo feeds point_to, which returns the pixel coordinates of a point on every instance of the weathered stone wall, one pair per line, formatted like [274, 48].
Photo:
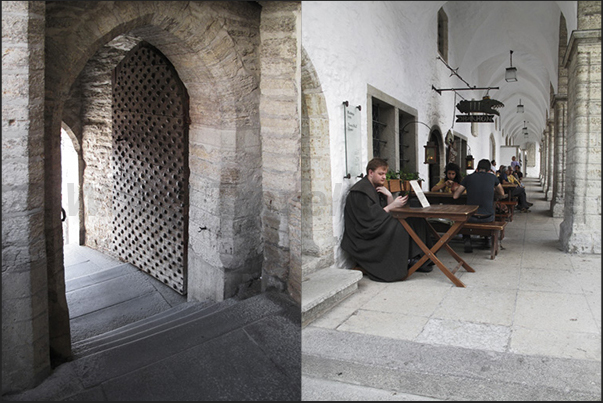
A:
[589, 15]
[220, 69]
[581, 229]
[25, 344]
[59, 75]
[280, 111]
[94, 85]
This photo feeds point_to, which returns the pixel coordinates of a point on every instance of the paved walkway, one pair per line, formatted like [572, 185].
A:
[533, 302]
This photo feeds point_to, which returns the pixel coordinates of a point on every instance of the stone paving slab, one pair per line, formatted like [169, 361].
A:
[445, 372]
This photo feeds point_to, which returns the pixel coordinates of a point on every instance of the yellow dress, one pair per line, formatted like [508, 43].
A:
[446, 188]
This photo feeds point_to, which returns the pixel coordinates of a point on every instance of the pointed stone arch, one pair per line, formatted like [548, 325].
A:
[317, 199]
[220, 71]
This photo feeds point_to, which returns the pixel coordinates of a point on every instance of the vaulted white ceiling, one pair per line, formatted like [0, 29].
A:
[482, 34]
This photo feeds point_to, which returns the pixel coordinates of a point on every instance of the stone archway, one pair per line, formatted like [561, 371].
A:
[220, 50]
[225, 160]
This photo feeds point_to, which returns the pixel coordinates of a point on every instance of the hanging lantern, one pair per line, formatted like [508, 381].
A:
[511, 72]
[469, 160]
[520, 107]
[430, 153]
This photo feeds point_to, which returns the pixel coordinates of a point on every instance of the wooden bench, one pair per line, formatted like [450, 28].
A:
[495, 230]
[511, 207]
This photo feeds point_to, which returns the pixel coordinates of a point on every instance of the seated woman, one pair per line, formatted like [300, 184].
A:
[452, 180]
[506, 176]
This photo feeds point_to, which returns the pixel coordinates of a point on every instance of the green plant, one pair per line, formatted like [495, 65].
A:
[407, 175]
[392, 175]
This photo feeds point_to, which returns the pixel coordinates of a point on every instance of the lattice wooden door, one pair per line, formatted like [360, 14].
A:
[150, 166]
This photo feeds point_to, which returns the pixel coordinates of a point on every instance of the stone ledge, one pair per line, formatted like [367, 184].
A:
[325, 289]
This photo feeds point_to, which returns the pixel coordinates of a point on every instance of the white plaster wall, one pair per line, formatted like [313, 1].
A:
[393, 47]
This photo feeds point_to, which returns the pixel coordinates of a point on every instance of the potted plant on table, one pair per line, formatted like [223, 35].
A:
[406, 176]
[397, 181]
[393, 182]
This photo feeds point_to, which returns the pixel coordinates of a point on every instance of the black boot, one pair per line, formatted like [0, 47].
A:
[425, 268]
[467, 242]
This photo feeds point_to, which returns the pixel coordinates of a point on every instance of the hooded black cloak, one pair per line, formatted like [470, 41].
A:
[377, 241]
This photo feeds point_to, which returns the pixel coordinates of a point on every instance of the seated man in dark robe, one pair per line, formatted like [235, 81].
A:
[377, 241]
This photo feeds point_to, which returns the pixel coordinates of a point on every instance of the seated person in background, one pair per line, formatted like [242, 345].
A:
[502, 174]
[480, 186]
[374, 238]
[517, 173]
[519, 191]
[493, 167]
[452, 180]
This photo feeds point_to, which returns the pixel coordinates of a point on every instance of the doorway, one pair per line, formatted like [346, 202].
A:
[70, 188]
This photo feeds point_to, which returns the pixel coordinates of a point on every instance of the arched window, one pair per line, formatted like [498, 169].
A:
[492, 147]
[443, 34]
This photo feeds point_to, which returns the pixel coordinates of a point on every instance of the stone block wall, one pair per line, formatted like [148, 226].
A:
[280, 116]
[25, 344]
[94, 85]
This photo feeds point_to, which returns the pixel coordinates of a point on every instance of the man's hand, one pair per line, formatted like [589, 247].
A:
[399, 201]
[384, 190]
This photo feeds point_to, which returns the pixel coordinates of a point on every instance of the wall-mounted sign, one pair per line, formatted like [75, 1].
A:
[486, 105]
[475, 118]
[353, 147]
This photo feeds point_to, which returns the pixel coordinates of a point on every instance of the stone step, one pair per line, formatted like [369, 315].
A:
[138, 350]
[443, 372]
[324, 289]
[174, 317]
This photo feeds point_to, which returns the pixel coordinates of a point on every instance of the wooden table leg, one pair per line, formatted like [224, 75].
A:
[449, 248]
[430, 253]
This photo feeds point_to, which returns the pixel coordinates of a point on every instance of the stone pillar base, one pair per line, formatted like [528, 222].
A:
[557, 208]
[580, 238]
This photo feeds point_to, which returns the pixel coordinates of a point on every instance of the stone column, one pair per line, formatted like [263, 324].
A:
[580, 231]
[544, 160]
[560, 110]
[551, 160]
[542, 151]
[280, 118]
[25, 339]
[557, 205]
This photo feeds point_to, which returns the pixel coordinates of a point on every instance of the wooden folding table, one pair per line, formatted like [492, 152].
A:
[458, 213]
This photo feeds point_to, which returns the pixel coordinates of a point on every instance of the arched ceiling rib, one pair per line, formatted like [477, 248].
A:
[481, 36]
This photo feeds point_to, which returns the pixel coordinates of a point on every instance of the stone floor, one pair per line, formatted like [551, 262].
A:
[533, 300]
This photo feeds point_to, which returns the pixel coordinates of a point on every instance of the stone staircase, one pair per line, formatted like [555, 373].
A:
[179, 316]
[231, 350]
